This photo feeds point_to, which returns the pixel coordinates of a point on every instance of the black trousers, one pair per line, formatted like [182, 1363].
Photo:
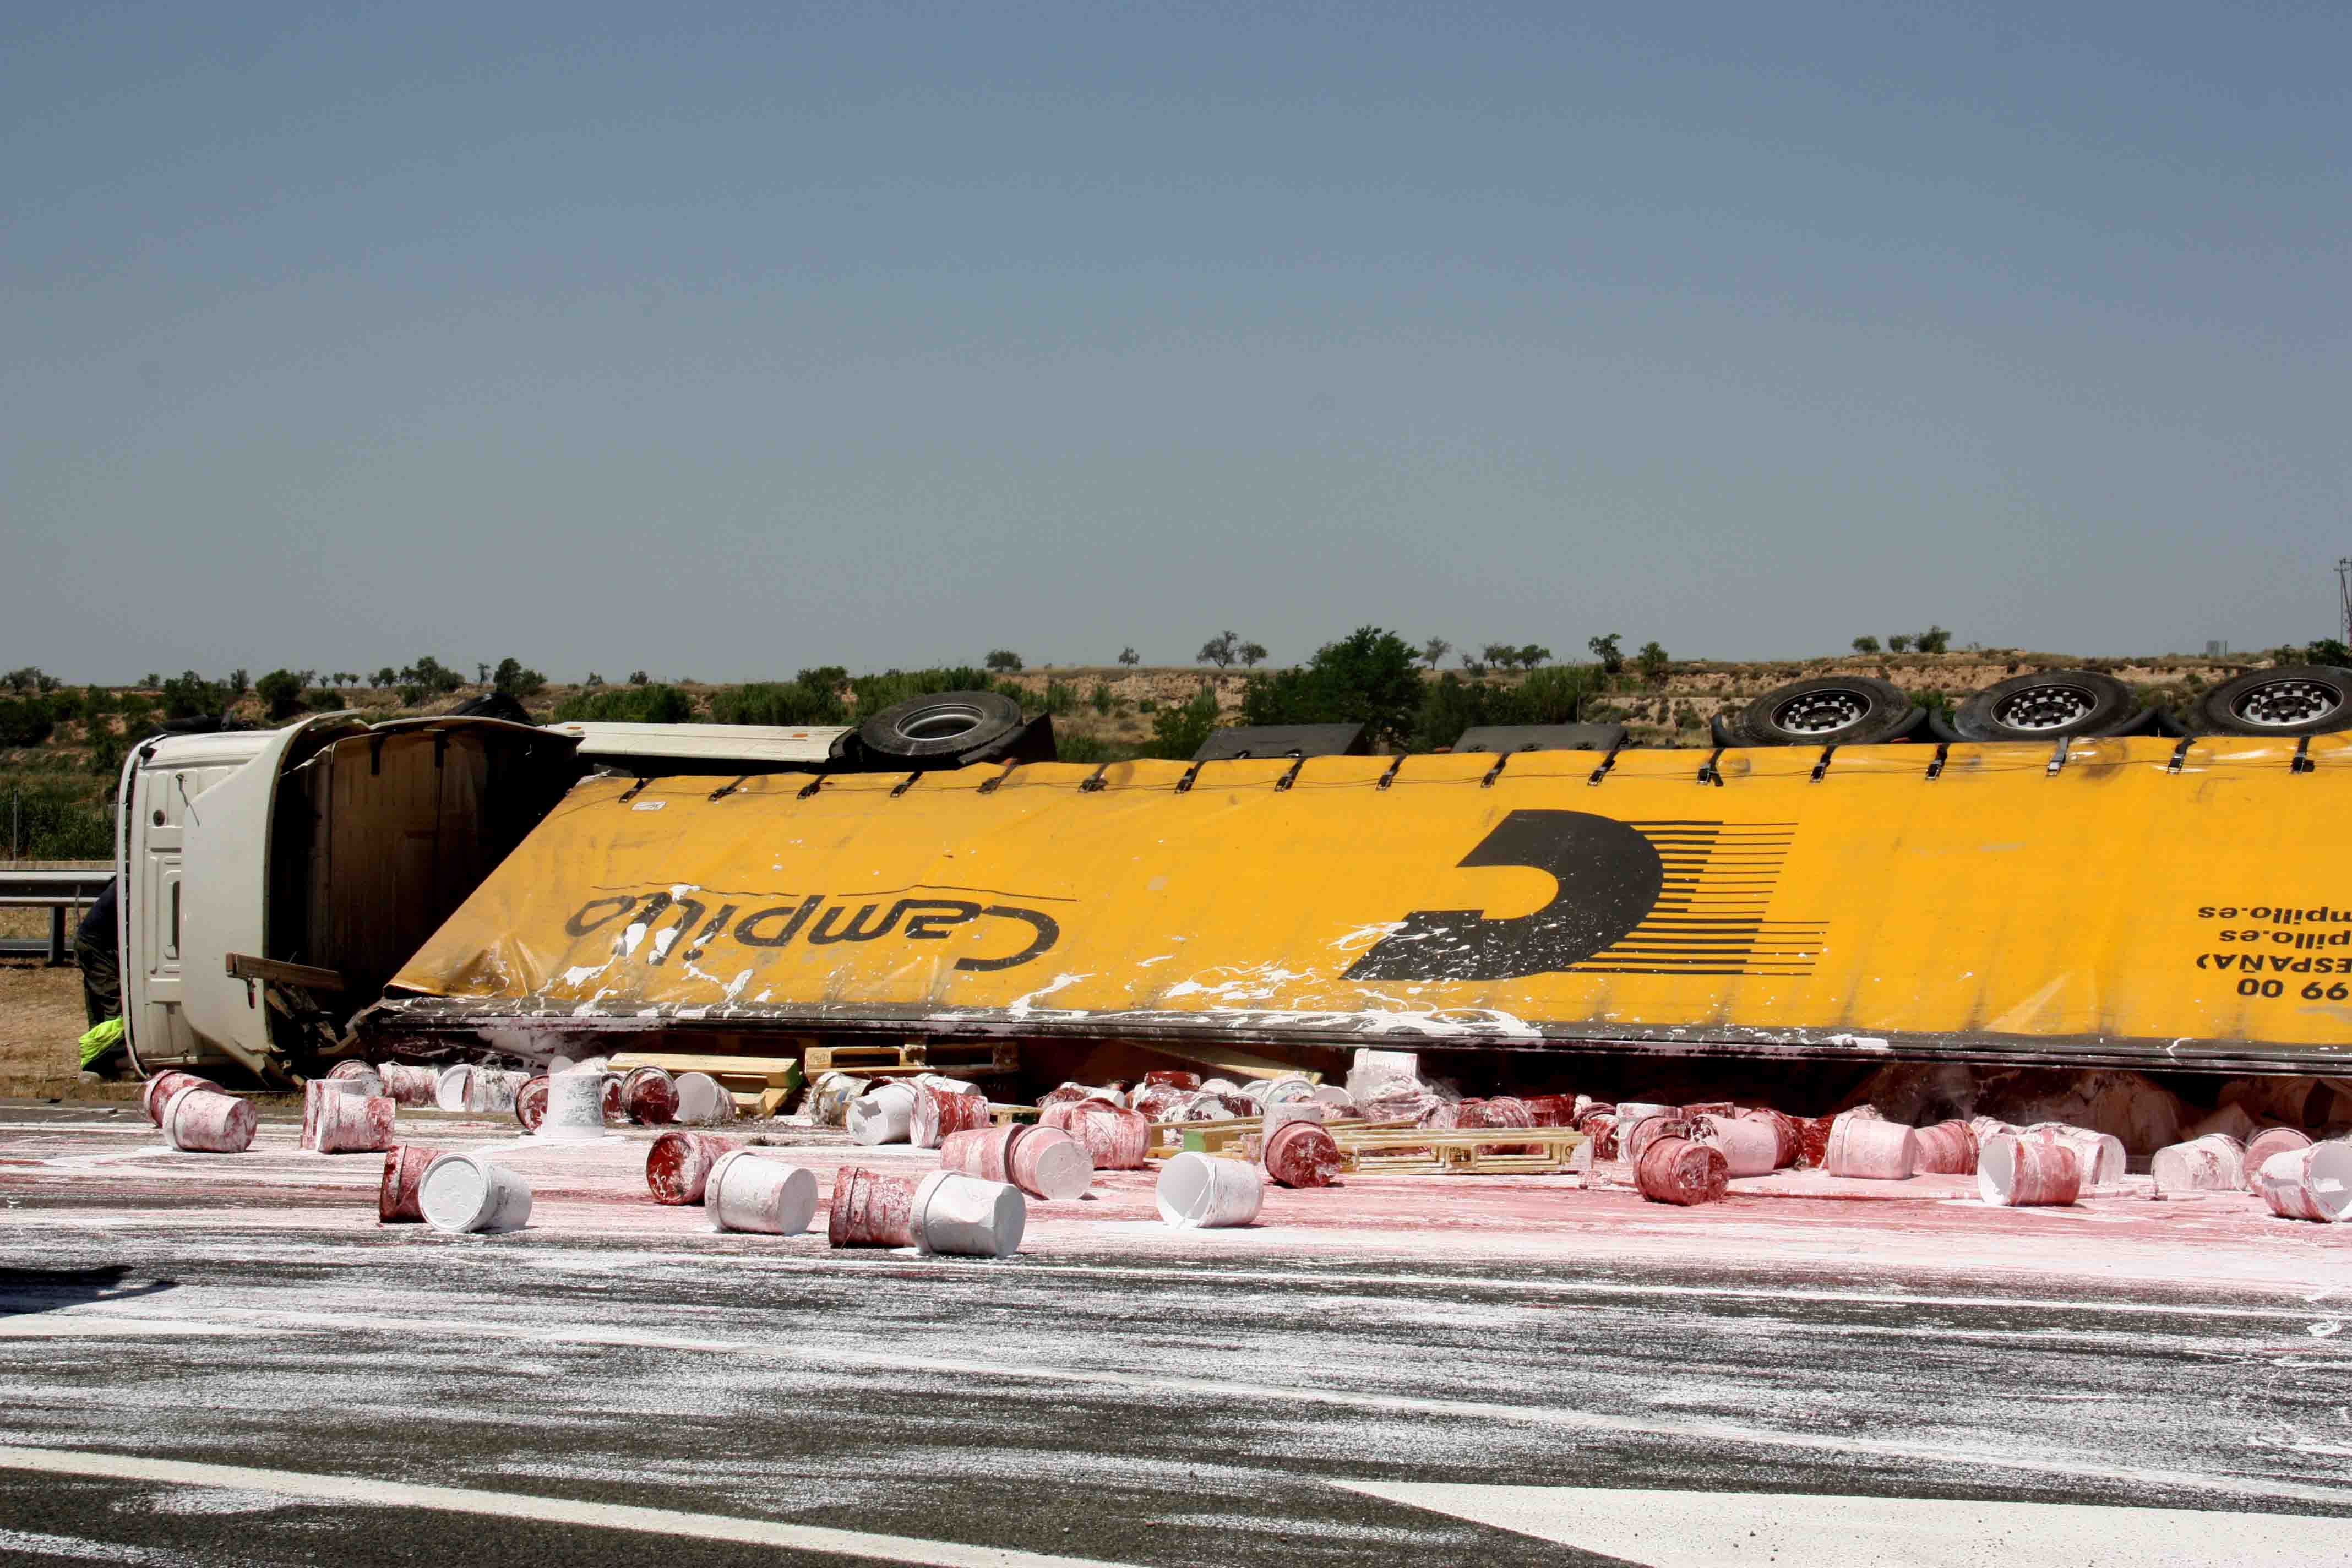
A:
[102, 980]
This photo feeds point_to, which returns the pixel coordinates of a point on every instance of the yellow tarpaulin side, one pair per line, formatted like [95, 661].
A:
[2193, 902]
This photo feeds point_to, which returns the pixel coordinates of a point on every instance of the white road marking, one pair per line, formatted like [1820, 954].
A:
[1713, 1529]
[544, 1509]
[2068, 1465]
[31, 1541]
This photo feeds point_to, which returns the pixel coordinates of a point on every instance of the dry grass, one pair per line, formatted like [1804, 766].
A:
[40, 1026]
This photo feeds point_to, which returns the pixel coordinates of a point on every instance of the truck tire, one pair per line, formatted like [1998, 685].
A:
[941, 727]
[2292, 699]
[1830, 710]
[2047, 706]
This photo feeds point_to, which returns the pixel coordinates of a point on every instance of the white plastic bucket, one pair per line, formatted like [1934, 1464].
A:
[2016, 1172]
[829, 1097]
[315, 1094]
[353, 1124]
[703, 1101]
[201, 1120]
[1870, 1149]
[1749, 1148]
[2213, 1163]
[884, 1114]
[2310, 1184]
[964, 1217]
[494, 1089]
[1198, 1192]
[467, 1193]
[745, 1192]
[576, 1108]
[2099, 1155]
[450, 1087]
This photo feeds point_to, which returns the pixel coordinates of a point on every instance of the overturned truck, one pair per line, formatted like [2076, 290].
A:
[2135, 900]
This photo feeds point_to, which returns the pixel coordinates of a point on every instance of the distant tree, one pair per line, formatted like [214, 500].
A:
[1435, 650]
[482, 672]
[239, 683]
[1128, 657]
[2327, 651]
[1002, 660]
[189, 696]
[1605, 650]
[1865, 645]
[517, 682]
[432, 675]
[592, 682]
[1653, 659]
[26, 681]
[1532, 655]
[1935, 639]
[638, 678]
[1370, 677]
[1473, 665]
[281, 694]
[24, 721]
[1899, 642]
[387, 676]
[152, 680]
[1252, 655]
[1221, 650]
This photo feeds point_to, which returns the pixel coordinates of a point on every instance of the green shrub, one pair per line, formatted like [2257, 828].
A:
[1370, 677]
[55, 816]
[1092, 749]
[24, 721]
[1177, 732]
[1060, 699]
[655, 703]
[1103, 699]
[281, 694]
[790, 703]
[875, 693]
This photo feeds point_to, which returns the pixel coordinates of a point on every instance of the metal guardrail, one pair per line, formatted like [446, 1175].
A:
[59, 892]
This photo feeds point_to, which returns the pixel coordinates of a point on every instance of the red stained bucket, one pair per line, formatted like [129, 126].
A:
[1170, 1077]
[1787, 1132]
[938, 1112]
[1503, 1110]
[1162, 1101]
[1678, 1170]
[870, 1209]
[2313, 1183]
[678, 1164]
[403, 1171]
[1636, 1139]
[1114, 1139]
[1047, 1163]
[2270, 1140]
[530, 1103]
[1948, 1149]
[649, 1097]
[411, 1085]
[353, 1124]
[1301, 1154]
[2015, 1172]
[1749, 1148]
[158, 1092]
[984, 1151]
[1600, 1126]
[1712, 1108]
[1552, 1110]
[201, 1120]
[1871, 1148]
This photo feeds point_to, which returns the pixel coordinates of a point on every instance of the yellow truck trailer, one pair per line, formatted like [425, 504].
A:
[2147, 901]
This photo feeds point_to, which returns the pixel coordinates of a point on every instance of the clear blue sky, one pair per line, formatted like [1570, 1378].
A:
[718, 341]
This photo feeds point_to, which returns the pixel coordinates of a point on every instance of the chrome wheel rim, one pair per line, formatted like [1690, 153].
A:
[1822, 712]
[2052, 707]
[2277, 704]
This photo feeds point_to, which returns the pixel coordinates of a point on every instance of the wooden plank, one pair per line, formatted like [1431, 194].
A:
[309, 976]
[1230, 1062]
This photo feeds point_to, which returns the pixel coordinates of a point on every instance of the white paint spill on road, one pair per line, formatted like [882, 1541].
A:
[80, 1549]
[2066, 1467]
[1717, 1529]
[353, 1490]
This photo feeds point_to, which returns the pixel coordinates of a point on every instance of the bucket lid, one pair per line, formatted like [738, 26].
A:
[454, 1192]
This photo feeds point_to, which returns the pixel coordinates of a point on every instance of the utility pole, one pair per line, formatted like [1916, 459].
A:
[2344, 600]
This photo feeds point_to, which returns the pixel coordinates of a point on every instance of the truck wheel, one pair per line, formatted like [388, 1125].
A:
[1830, 710]
[2292, 699]
[2047, 706]
[942, 725]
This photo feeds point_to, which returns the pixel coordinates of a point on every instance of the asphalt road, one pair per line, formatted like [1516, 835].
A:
[402, 1398]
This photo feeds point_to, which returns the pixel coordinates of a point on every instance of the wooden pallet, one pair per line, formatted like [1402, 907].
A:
[1225, 1138]
[1463, 1152]
[910, 1057]
[760, 1086]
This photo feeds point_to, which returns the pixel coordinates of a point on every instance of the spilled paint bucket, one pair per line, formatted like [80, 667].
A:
[410, 1085]
[201, 1119]
[574, 1108]
[765, 1196]
[461, 1192]
[1870, 1149]
[1301, 1154]
[1679, 1170]
[703, 1101]
[1335, 1099]
[1787, 1135]
[1196, 1191]
[1813, 1141]
[1172, 1077]
[2100, 1156]
[1047, 1163]
[317, 1091]
[2264, 1147]
[530, 1104]
[1628, 1111]
[452, 1086]
[1637, 1137]
[938, 1112]
[984, 1152]
[364, 1072]
[1749, 1148]
[829, 1097]
[870, 1209]
[2213, 1163]
[1282, 1090]
[2313, 1183]
[157, 1093]
[1501, 1110]
[1291, 1110]
[1552, 1110]
[617, 1094]
[1114, 1140]
[883, 1114]
[2016, 1172]
[404, 1165]
[649, 1096]
[1160, 1101]
[679, 1166]
[1948, 1149]
[964, 1217]
[1600, 1126]
[354, 1124]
